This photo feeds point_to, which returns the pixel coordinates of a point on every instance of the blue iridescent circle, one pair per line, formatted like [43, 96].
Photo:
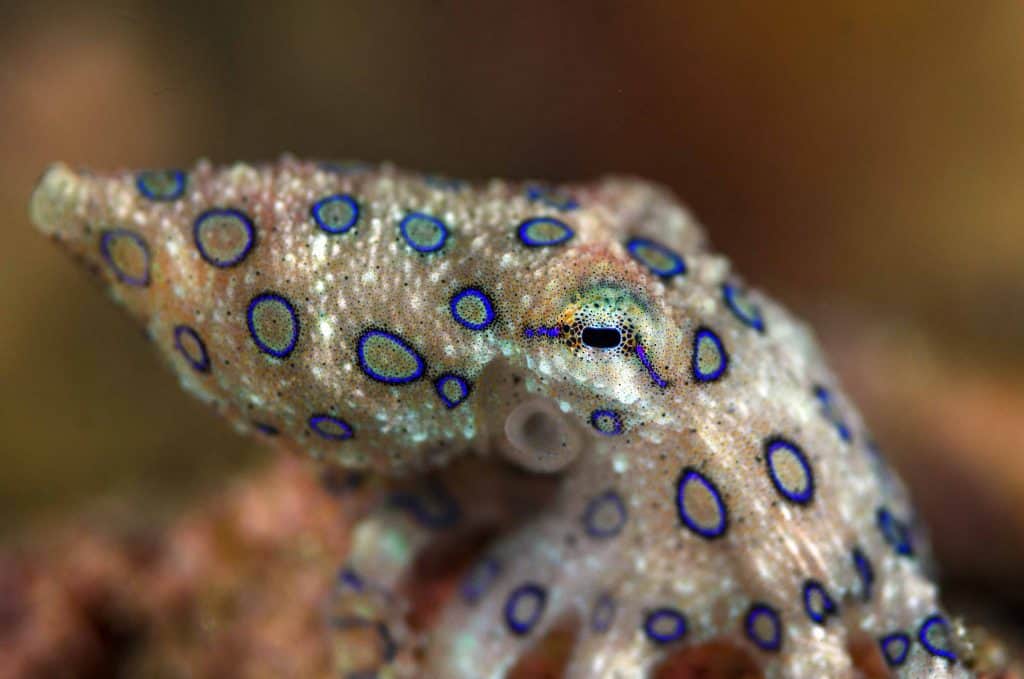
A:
[348, 578]
[147, 182]
[676, 265]
[895, 648]
[430, 504]
[607, 502]
[661, 616]
[480, 579]
[895, 532]
[756, 613]
[812, 602]
[707, 335]
[686, 477]
[825, 398]
[250, 319]
[107, 242]
[434, 246]
[843, 431]
[220, 213]
[266, 429]
[603, 615]
[320, 424]
[534, 595]
[562, 232]
[199, 363]
[317, 212]
[735, 301]
[865, 571]
[555, 199]
[931, 621]
[479, 296]
[606, 422]
[417, 372]
[773, 447]
[444, 381]
[828, 409]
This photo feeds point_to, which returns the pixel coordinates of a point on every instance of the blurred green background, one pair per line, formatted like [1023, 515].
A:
[863, 160]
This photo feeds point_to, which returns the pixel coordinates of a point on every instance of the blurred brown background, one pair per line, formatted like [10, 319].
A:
[863, 160]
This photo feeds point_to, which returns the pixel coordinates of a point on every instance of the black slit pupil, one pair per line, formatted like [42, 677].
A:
[602, 338]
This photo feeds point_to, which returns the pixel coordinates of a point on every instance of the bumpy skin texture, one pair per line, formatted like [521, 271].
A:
[712, 480]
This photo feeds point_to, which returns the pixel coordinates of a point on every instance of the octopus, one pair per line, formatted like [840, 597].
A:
[566, 376]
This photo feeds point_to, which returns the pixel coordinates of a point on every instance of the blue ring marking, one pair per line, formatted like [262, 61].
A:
[616, 422]
[546, 196]
[403, 227]
[812, 587]
[865, 571]
[317, 421]
[733, 300]
[541, 331]
[708, 335]
[922, 636]
[894, 657]
[895, 532]
[755, 613]
[202, 364]
[480, 579]
[106, 242]
[646, 362]
[771, 447]
[825, 398]
[442, 381]
[607, 499]
[263, 346]
[432, 505]
[317, 209]
[603, 615]
[844, 432]
[143, 179]
[478, 295]
[529, 590]
[665, 613]
[250, 234]
[402, 344]
[266, 429]
[828, 410]
[691, 475]
[677, 267]
[523, 232]
[348, 577]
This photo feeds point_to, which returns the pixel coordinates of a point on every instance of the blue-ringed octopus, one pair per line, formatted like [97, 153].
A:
[709, 479]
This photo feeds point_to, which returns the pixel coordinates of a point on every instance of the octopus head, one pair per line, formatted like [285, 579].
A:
[598, 344]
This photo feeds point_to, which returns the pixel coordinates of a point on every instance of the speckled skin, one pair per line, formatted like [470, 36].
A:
[622, 425]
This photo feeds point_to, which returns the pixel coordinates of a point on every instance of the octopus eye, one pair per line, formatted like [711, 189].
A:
[601, 338]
